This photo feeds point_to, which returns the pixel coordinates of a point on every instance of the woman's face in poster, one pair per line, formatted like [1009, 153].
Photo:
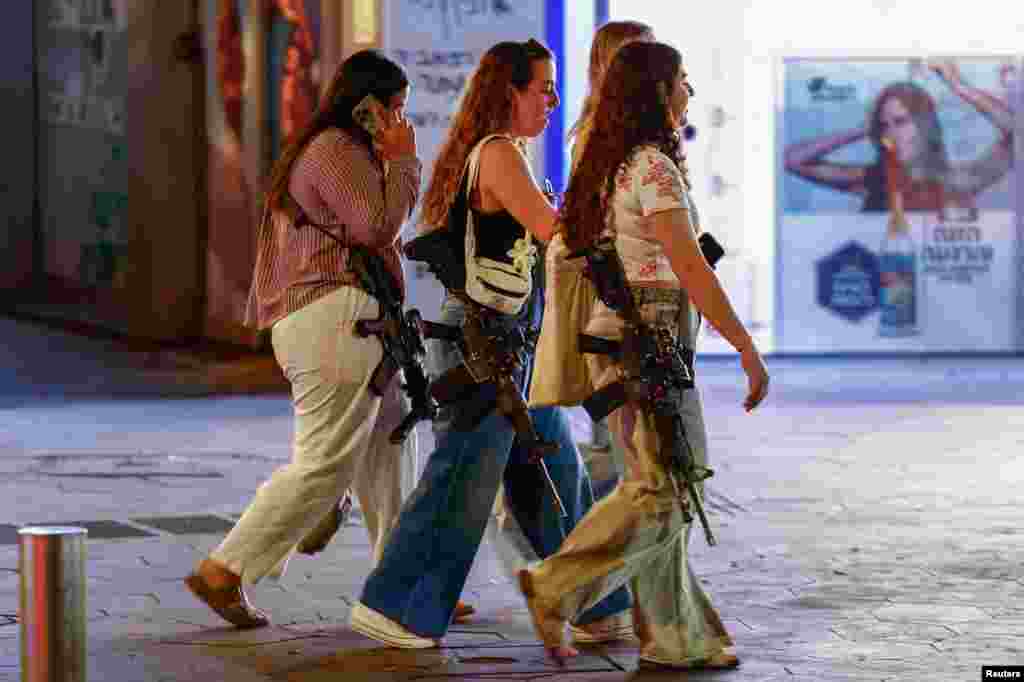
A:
[898, 123]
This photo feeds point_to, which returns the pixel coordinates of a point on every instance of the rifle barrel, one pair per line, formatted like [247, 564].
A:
[552, 488]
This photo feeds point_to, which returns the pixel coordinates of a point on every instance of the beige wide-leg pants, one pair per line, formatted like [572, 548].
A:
[637, 534]
[340, 440]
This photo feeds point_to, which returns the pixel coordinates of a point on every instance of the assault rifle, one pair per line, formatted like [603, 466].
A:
[657, 369]
[400, 333]
[493, 351]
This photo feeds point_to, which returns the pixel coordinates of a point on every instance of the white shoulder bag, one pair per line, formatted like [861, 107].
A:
[501, 286]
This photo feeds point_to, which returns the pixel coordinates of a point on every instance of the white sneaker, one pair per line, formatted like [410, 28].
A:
[614, 628]
[374, 625]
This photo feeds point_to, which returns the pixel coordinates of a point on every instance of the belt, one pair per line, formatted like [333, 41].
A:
[645, 295]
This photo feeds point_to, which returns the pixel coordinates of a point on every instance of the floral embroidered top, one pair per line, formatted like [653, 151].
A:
[649, 183]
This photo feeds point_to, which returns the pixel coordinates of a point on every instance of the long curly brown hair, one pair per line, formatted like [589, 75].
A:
[486, 108]
[632, 112]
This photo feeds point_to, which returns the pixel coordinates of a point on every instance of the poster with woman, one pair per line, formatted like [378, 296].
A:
[897, 202]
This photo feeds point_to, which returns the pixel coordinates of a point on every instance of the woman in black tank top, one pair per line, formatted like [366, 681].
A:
[410, 598]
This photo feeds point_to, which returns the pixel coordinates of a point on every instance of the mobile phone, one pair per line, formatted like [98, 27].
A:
[368, 114]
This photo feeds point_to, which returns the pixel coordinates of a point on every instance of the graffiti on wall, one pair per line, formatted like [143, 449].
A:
[82, 99]
[108, 209]
[83, 162]
[453, 15]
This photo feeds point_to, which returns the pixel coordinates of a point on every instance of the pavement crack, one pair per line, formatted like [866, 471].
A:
[477, 632]
[519, 676]
[114, 475]
[487, 659]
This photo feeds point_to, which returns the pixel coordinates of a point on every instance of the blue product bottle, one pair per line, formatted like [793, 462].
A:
[899, 297]
[899, 294]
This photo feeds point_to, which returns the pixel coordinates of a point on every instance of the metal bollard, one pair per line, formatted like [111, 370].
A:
[51, 562]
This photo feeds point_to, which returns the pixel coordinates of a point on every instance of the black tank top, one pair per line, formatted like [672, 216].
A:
[496, 234]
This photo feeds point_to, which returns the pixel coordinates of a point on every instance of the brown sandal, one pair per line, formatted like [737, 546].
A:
[230, 603]
[549, 628]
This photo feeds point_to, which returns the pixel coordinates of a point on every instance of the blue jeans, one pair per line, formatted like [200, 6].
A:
[429, 553]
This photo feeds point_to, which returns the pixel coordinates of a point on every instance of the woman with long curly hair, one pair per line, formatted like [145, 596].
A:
[410, 597]
[907, 114]
[629, 186]
[607, 41]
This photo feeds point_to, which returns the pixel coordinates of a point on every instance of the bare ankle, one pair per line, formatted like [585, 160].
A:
[216, 574]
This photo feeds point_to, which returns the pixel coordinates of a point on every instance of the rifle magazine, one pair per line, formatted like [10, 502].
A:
[606, 400]
[383, 374]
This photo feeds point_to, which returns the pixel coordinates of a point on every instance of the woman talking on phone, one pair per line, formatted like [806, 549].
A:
[360, 187]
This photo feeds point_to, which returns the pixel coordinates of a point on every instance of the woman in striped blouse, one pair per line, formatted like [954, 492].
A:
[360, 187]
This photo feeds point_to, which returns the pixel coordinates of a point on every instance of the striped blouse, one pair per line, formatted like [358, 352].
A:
[338, 182]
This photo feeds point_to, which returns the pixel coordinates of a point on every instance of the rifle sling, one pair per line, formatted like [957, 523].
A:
[363, 263]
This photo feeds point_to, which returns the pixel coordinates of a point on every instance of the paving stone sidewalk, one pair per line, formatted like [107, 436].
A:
[869, 518]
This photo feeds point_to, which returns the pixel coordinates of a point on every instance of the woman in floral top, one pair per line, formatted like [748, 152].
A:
[630, 184]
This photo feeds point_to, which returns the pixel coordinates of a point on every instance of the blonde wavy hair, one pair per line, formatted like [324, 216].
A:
[607, 41]
[484, 109]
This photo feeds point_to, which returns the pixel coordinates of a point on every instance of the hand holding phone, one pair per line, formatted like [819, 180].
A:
[393, 136]
[397, 139]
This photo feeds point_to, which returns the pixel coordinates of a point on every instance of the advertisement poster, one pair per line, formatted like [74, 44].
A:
[439, 45]
[897, 206]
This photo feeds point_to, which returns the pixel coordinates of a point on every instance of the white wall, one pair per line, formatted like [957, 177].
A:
[579, 31]
[732, 52]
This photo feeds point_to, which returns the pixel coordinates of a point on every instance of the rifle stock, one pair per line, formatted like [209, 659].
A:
[401, 432]
[435, 248]
[383, 373]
